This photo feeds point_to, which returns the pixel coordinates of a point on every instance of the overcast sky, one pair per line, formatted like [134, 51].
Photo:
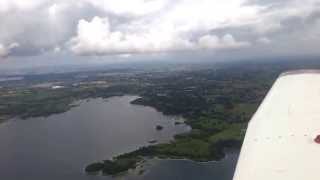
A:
[52, 31]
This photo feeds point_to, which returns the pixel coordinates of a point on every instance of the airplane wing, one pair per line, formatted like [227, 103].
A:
[282, 141]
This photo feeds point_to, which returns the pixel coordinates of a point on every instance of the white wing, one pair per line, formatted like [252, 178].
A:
[280, 139]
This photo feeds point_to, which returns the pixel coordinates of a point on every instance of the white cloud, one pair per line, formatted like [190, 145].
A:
[124, 55]
[96, 37]
[160, 29]
[52, 10]
[57, 49]
[209, 41]
[229, 42]
[99, 38]
[13, 45]
[264, 40]
[6, 50]
[226, 42]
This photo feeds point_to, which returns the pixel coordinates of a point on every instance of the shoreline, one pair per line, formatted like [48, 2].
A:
[131, 160]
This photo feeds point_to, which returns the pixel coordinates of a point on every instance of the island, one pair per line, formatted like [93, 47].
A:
[159, 127]
[108, 167]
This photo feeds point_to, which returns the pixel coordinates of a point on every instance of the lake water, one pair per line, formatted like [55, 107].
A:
[189, 170]
[59, 146]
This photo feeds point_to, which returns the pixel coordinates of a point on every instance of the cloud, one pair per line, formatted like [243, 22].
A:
[57, 49]
[124, 55]
[264, 40]
[102, 27]
[41, 25]
[3, 51]
[96, 37]
[226, 42]
[6, 50]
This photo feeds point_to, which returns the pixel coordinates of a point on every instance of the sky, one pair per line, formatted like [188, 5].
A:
[50, 32]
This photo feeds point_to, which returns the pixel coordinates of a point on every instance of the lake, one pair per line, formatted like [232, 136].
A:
[61, 145]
